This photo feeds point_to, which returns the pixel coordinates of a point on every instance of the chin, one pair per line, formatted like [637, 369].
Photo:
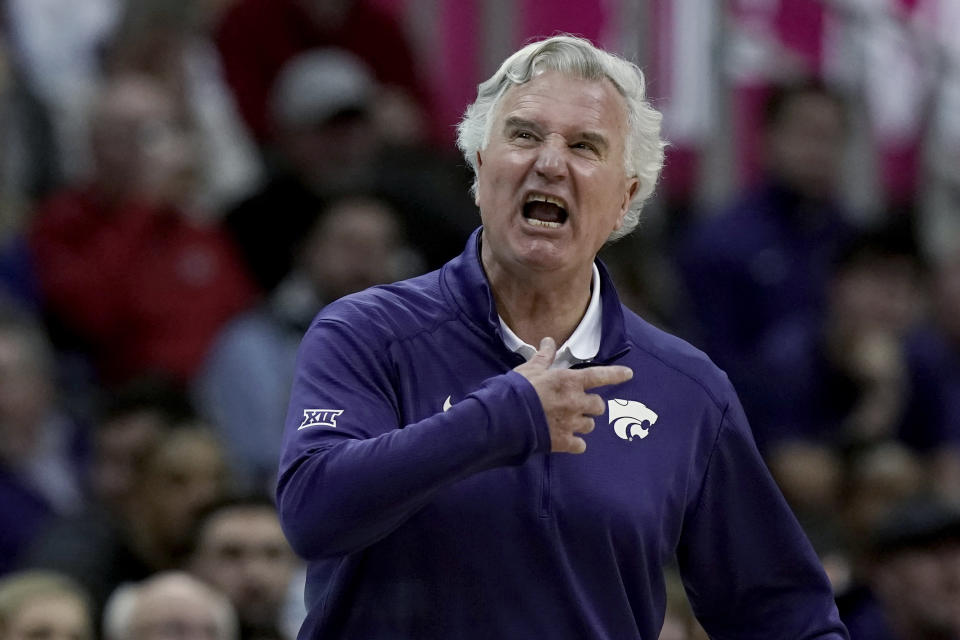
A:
[543, 256]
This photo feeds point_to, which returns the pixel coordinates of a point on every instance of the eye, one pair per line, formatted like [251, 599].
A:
[585, 146]
[522, 134]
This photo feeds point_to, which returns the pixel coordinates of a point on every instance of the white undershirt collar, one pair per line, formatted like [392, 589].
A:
[582, 345]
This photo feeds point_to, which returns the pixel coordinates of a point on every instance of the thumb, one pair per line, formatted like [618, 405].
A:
[544, 356]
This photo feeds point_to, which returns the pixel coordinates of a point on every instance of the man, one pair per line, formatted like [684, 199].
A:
[41, 445]
[240, 550]
[912, 575]
[326, 143]
[839, 378]
[766, 257]
[353, 243]
[427, 474]
[169, 604]
[120, 259]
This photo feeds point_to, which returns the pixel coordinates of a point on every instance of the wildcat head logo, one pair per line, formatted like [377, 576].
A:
[628, 418]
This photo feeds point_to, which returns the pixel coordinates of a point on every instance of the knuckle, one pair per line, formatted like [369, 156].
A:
[595, 405]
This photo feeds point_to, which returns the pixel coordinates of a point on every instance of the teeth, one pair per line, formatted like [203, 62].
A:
[539, 197]
[543, 223]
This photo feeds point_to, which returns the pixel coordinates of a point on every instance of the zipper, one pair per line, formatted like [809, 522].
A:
[545, 510]
[546, 507]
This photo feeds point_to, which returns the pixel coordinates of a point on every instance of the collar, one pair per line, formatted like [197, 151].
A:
[582, 345]
[465, 284]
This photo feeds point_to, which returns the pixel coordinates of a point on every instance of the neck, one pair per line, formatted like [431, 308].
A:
[536, 305]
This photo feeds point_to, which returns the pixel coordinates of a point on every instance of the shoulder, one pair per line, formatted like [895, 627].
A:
[251, 332]
[678, 361]
[390, 313]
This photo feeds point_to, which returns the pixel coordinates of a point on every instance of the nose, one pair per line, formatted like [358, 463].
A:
[551, 162]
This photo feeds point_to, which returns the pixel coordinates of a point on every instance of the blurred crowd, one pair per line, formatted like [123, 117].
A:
[183, 185]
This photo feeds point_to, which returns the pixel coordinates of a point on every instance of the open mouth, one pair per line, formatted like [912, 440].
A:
[544, 211]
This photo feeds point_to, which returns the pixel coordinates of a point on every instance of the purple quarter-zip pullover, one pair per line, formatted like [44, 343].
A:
[417, 480]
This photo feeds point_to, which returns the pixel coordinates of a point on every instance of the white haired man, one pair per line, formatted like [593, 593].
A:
[168, 605]
[436, 470]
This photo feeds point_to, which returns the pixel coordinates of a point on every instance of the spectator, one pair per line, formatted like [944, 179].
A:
[120, 265]
[325, 145]
[37, 605]
[914, 577]
[94, 546]
[40, 446]
[169, 604]
[767, 256]
[244, 386]
[181, 475]
[241, 551]
[184, 476]
[841, 377]
[256, 38]
[171, 43]
[134, 422]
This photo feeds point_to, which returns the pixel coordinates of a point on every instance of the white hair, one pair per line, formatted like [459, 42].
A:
[120, 612]
[643, 157]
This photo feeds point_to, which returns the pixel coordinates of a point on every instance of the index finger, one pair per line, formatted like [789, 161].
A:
[601, 376]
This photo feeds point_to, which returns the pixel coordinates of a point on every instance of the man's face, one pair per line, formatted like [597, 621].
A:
[805, 145]
[559, 138]
[121, 447]
[915, 587]
[184, 475]
[354, 247]
[243, 553]
[175, 612]
[138, 140]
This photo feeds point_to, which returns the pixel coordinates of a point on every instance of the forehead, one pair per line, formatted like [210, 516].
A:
[556, 98]
[242, 524]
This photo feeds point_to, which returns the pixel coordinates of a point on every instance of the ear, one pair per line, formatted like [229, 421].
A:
[476, 182]
[632, 185]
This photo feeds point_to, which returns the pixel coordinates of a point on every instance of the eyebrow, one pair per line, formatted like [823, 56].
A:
[597, 139]
[514, 122]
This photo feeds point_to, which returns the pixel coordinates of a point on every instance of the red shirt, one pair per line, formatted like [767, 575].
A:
[145, 289]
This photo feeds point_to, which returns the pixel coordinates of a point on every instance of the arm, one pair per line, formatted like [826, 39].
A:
[345, 487]
[747, 566]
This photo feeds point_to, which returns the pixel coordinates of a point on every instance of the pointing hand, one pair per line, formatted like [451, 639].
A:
[563, 395]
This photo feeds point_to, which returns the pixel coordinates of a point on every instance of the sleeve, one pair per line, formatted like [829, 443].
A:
[747, 566]
[351, 473]
[243, 388]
